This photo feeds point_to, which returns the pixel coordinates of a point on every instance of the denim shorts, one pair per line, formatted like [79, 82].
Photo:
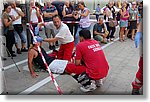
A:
[123, 23]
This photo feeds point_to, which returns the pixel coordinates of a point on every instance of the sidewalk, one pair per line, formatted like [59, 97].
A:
[123, 61]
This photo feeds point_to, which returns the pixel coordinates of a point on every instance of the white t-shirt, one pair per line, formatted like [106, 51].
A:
[63, 33]
[33, 16]
[15, 14]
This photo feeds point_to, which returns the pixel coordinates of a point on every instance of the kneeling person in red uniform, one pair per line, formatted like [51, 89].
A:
[90, 63]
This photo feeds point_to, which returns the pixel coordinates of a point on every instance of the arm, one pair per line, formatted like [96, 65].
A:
[85, 14]
[20, 13]
[138, 34]
[6, 23]
[55, 13]
[51, 39]
[75, 14]
[37, 12]
[47, 14]
[64, 12]
[97, 33]
[30, 63]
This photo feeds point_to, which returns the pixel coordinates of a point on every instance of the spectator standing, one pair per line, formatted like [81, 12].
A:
[98, 11]
[110, 20]
[84, 22]
[140, 9]
[8, 29]
[18, 14]
[48, 13]
[40, 18]
[59, 4]
[123, 21]
[69, 15]
[90, 63]
[100, 31]
[34, 14]
[133, 17]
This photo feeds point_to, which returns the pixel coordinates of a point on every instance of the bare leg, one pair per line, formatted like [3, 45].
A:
[133, 34]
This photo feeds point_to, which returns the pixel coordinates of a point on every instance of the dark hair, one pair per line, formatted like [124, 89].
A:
[6, 6]
[86, 34]
[37, 4]
[82, 3]
[55, 16]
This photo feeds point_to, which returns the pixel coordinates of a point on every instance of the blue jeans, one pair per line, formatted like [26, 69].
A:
[22, 37]
[77, 34]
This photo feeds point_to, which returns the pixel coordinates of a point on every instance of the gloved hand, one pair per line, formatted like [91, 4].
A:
[137, 38]
[36, 31]
[38, 39]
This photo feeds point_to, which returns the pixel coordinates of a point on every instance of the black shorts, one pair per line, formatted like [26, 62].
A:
[132, 25]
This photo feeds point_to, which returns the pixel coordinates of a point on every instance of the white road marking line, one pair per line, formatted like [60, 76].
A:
[103, 47]
[26, 68]
[37, 85]
[48, 79]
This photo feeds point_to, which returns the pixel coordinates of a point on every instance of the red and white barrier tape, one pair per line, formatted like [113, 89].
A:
[46, 65]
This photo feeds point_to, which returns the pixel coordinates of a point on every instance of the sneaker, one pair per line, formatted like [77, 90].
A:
[18, 51]
[135, 92]
[24, 50]
[13, 51]
[12, 55]
[108, 40]
[4, 59]
[99, 82]
[111, 39]
[88, 88]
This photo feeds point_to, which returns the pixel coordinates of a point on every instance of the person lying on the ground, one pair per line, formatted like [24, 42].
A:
[34, 57]
[90, 63]
[100, 31]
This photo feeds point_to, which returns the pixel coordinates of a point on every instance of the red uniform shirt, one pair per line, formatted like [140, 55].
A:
[92, 55]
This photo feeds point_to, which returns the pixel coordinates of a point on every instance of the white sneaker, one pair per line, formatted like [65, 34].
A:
[99, 82]
[88, 88]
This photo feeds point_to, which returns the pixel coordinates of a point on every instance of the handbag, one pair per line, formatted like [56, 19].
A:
[112, 22]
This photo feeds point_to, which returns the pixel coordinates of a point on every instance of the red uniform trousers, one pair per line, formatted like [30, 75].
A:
[65, 51]
[72, 68]
[138, 82]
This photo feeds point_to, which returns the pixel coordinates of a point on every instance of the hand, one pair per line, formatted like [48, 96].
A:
[13, 18]
[137, 38]
[17, 17]
[39, 39]
[34, 75]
